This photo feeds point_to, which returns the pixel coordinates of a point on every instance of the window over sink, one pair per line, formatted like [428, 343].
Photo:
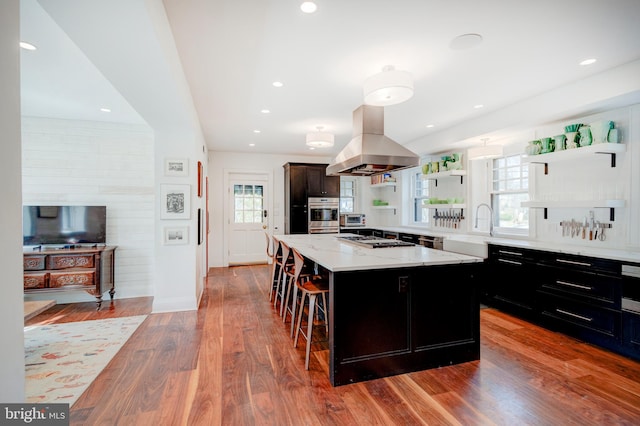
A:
[510, 187]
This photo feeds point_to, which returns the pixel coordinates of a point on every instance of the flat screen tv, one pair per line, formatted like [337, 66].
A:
[67, 225]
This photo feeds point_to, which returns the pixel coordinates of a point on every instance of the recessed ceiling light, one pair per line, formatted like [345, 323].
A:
[430, 126]
[27, 46]
[105, 109]
[465, 41]
[308, 7]
[277, 84]
[252, 144]
[478, 106]
[588, 61]
[256, 131]
[265, 111]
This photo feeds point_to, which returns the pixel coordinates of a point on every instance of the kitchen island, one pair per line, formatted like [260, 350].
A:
[395, 310]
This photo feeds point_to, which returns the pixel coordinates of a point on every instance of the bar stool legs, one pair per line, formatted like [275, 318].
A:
[311, 289]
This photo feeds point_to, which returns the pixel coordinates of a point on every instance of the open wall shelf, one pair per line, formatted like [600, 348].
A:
[610, 149]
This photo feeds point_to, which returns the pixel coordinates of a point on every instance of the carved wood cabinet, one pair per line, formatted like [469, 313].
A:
[89, 269]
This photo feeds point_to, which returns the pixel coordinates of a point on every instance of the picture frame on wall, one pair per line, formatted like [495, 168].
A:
[176, 167]
[175, 201]
[176, 235]
[200, 227]
[199, 179]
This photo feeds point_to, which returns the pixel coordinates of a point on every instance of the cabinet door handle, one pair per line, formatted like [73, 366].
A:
[571, 314]
[514, 253]
[512, 262]
[573, 262]
[582, 287]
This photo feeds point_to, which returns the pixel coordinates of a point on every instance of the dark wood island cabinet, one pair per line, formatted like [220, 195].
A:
[394, 321]
[395, 310]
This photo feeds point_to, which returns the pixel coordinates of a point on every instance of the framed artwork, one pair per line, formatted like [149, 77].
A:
[176, 167]
[199, 179]
[175, 201]
[176, 235]
[200, 227]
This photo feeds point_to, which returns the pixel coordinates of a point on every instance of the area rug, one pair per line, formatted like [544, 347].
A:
[61, 360]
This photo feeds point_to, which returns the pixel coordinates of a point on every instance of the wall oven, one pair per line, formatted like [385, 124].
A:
[324, 215]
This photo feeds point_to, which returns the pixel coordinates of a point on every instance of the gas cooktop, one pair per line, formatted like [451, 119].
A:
[374, 242]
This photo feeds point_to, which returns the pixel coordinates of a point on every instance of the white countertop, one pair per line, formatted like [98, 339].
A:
[337, 256]
[605, 253]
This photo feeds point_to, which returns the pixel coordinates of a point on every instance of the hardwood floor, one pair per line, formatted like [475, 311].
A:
[232, 363]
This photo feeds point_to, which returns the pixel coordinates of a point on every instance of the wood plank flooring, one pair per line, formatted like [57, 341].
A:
[232, 363]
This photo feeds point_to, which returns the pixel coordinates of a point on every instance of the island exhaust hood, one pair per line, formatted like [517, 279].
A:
[370, 152]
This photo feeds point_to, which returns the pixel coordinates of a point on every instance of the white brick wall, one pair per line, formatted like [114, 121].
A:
[71, 162]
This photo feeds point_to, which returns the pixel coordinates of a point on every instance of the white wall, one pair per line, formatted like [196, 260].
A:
[586, 178]
[11, 307]
[591, 177]
[67, 162]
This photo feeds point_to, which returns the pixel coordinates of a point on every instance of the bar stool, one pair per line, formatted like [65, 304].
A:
[295, 272]
[310, 289]
[273, 253]
[286, 261]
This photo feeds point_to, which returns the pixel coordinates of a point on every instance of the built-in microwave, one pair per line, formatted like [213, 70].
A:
[348, 220]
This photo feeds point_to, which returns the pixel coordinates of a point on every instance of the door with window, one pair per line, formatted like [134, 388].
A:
[248, 218]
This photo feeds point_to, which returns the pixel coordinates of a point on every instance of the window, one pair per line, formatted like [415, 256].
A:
[247, 203]
[347, 195]
[420, 195]
[510, 189]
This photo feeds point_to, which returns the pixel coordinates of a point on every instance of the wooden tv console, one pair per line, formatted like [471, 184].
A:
[70, 269]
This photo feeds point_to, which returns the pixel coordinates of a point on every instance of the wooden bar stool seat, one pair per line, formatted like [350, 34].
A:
[309, 290]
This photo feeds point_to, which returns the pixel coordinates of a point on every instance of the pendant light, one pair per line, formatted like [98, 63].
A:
[485, 151]
[389, 87]
[320, 139]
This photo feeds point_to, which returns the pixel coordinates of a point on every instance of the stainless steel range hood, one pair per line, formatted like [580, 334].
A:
[370, 152]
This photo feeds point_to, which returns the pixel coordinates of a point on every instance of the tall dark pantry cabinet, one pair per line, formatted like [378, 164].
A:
[301, 181]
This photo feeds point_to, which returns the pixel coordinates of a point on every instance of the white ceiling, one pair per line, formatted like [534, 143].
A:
[231, 51]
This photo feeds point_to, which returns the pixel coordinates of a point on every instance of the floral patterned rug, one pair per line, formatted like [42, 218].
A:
[63, 359]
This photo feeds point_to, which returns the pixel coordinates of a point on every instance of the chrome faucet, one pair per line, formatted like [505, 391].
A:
[490, 217]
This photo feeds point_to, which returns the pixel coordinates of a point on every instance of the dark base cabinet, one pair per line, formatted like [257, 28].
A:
[588, 322]
[511, 282]
[576, 295]
[394, 321]
[631, 334]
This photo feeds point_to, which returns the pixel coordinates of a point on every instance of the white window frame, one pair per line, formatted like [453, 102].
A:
[354, 197]
[416, 181]
[525, 182]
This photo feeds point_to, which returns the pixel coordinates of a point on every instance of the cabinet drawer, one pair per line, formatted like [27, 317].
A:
[63, 261]
[603, 289]
[33, 263]
[35, 280]
[582, 315]
[514, 255]
[61, 279]
[583, 263]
